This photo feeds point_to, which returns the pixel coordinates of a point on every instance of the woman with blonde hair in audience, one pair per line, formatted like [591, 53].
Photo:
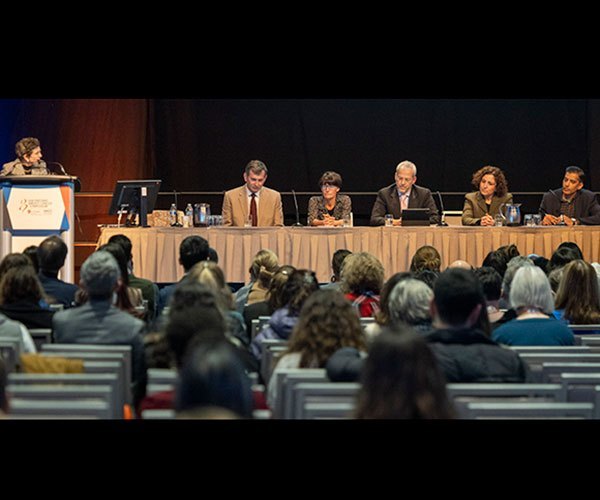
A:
[578, 298]
[426, 257]
[401, 379]
[326, 323]
[362, 279]
[264, 264]
[531, 299]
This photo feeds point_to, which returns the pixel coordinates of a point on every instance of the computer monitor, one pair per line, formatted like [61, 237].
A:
[135, 197]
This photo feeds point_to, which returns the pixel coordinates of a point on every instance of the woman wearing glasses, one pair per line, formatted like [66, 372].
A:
[331, 208]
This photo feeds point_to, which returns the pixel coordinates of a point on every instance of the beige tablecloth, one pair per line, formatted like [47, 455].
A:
[156, 249]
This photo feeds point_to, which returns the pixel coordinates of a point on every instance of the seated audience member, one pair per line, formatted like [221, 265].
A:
[491, 283]
[98, 321]
[213, 256]
[14, 329]
[578, 300]
[461, 264]
[404, 193]
[194, 318]
[513, 266]
[401, 379]
[326, 323]
[22, 296]
[213, 384]
[539, 261]
[274, 298]
[149, 289]
[499, 258]
[382, 317]
[427, 276]
[299, 286]
[362, 279]
[531, 298]
[14, 260]
[264, 264]
[562, 256]
[554, 278]
[193, 249]
[483, 205]
[210, 274]
[331, 208]
[574, 246]
[253, 203]
[52, 253]
[571, 204]
[464, 352]
[31, 252]
[426, 257]
[336, 266]
[409, 304]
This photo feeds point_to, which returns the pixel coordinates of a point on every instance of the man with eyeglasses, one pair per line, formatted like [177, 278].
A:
[253, 204]
[404, 193]
[331, 208]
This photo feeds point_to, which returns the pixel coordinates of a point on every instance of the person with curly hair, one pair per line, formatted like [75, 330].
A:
[483, 205]
[362, 279]
[326, 323]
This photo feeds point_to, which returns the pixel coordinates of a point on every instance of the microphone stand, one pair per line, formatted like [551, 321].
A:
[442, 222]
[297, 224]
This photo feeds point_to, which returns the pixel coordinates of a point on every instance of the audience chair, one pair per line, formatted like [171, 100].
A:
[579, 387]
[321, 392]
[536, 360]
[328, 411]
[41, 336]
[271, 350]
[284, 385]
[530, 410]
[9, 351]
[61, 408]
[160, 380]
[551, 371]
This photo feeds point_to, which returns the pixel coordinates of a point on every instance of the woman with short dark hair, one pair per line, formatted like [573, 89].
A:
[331, 208]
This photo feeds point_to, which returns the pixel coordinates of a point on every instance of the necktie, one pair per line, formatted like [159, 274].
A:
[253, 215]
[404, 201]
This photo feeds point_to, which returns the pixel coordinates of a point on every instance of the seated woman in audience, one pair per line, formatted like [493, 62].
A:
[561, 257]
[213, 384]
[382, 317]
[362, 279]
[426, 257]
[273, 300]
[21, 294]
[401, 380]
[326, 323]
[299, 286]
[264, 264]
[491, 283]
[483, 205]
[331, 208]
[409, 304]
[211, 275]
[531, 298]
[577, 299]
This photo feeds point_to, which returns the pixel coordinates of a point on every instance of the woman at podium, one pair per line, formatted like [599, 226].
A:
[29, 159]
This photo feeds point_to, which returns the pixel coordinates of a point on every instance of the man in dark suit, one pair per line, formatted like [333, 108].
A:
[51, 255]
[571, 204]
[404, 193]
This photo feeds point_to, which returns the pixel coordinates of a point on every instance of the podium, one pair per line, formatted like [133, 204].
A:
[35, 207]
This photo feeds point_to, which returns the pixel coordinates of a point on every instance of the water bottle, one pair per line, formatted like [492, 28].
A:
[189, 216]
[173, 214]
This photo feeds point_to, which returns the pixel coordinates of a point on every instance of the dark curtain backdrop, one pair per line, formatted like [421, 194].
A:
[203, 145]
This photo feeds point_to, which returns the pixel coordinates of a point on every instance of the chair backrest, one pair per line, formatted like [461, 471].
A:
[589, 340]
[553, 349]
[586, 329]
[322, 392]
[158, 414]
[258, 324]
[536, 360]
[109, 367]
[328, 410]
[463, 393]
[62, 408]
[579, 387]
[45, 392]
[551, 371]
[160, 380]
[284, 387]
[271, 349]
[9, 353]
[530, 410]
[41, 336]
[597, 402]
[62, 380]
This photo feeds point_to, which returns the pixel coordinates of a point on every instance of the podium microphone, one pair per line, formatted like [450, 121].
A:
[297, 224]
[62, 169]
[442, 222]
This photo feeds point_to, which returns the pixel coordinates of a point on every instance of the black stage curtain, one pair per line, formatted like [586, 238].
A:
[203, 145]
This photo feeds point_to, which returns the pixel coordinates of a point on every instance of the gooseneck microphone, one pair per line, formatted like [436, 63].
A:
[561, 223]
[297, 224]
[442, 222]
[62, 169]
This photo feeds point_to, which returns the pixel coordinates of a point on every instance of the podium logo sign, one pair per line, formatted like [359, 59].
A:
[34, 208]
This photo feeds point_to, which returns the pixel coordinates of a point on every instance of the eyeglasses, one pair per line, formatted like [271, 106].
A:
[328, 186]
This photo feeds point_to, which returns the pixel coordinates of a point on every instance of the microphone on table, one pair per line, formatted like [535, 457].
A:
[62, 169]
[561, 223]
[442, 222]
[297, 224]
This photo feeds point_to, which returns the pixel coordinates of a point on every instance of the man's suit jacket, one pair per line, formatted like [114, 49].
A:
[236, 207]
[99, 322]
[587, 209]
[475, 208]
[387, 202]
